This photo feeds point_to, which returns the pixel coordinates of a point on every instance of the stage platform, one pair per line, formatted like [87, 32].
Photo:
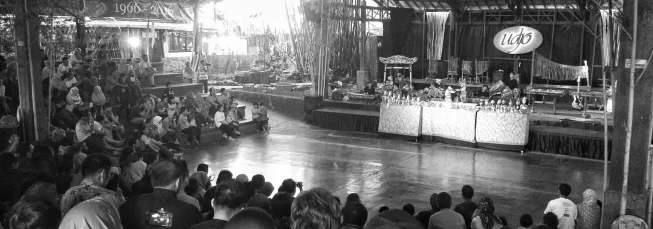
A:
[554, 134]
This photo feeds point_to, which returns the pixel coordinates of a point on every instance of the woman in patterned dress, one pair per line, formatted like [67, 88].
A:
[589, 212]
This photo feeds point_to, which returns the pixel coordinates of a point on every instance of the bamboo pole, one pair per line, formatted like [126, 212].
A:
[629, 123]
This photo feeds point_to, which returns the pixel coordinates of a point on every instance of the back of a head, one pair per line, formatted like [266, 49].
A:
[166, 172]
[353, 198]
[383, 208]
[230, 194]
[42, 192]
[433, 201]
[354, 214]
[444, 200]
[267, 188]
[565, 189]
[33, 214]
[250, 218]
[95, 163]
[281, 205]
[203, 167]
[288, 185]
[315, 209]
[468, 192]
[550, 220]
[224, 175]
[526, 220]
[258, 181]
[409, 208]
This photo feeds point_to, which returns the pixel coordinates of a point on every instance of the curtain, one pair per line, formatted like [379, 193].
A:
[437, 22]
[547, 69]
[606, 40]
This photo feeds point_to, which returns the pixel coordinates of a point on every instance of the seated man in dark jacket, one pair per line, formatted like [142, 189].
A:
[141, 211]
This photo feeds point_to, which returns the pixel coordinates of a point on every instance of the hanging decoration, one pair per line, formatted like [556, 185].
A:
[547, 69]
[607, 41]
[435, 37]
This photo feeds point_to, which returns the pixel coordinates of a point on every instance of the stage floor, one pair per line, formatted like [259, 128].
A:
[395, 172]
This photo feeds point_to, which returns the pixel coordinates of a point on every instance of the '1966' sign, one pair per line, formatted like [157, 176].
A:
[518, 40]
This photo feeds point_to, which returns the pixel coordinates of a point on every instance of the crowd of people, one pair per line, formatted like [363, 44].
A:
[87, 190]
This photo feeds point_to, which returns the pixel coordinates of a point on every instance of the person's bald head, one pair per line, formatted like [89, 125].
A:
[251, 218]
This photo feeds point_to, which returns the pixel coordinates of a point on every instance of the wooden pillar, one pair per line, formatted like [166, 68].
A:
[28, 62]
[80, 23]
[637, 160]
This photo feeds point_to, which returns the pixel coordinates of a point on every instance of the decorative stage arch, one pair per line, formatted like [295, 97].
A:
[398, 62]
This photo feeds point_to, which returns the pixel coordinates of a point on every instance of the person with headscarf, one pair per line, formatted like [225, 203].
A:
[73, 97]
[98, 97]
[96, 213]
[486, 218]
[589, 212]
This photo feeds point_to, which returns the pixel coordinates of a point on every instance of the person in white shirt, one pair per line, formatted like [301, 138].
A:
[563, 208]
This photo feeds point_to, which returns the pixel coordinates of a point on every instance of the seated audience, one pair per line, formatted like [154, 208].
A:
[525, 221]
[165, 176]
[354, 216]
[260, 116]
[95, 213]
[230, 197]
[424, 216]
[188, 127]
[446, 218]
[315, 209]
[486, 218]
[409, 208]
[564, 208]
[550, 221]
[250, 218]
[222, 124]
[35, 214]
[97, 172]
[589, 212]
[467, 207]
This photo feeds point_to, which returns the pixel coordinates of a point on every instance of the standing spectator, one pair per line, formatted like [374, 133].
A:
[165, 176]
[146, 71]
[486, 218]
[203, 75]
[230, 197]
[525, 221]
[424, 216]
[315, 209]
[354, 215]
[467, 208]
[97, 172]
[193, 132]
[446, 218]
[564, 208]
[188, 73]
[589, 211]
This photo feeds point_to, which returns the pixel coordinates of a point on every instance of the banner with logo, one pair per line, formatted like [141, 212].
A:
[518, 40]
[178, 10]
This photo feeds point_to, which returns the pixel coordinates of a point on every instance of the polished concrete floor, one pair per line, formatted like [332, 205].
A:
[395, 172]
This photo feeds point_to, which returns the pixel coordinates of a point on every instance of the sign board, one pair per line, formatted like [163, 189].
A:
[518, 40]
[639, 63]
[143, 9]
[629, 222]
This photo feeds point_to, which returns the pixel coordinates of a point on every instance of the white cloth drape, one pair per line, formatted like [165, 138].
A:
[435, 37]
[606, 40]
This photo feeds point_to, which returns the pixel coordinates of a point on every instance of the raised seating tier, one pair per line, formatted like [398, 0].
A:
[162, 78]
